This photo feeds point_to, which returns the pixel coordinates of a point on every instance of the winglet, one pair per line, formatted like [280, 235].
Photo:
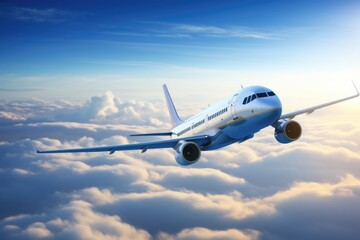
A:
[35, 148]
[357, 91]
[175, 119]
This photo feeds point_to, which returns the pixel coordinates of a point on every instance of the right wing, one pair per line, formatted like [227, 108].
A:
[200, 140]
[309, 110]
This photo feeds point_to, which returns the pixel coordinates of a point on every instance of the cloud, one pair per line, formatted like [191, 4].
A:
[37, 230]
[11, 116]
[101, 116]
[20, 89]
[191, 31]
[204, 233]
[51, 15]
[218, 32]
[75, 220]
[203, 180]
[105, 108]
[245, 191]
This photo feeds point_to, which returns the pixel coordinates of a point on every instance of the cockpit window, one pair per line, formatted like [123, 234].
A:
[245, 100]
[261, 95]
[257, 95]
[249, 99]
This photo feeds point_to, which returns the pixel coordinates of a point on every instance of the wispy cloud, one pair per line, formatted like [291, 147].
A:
[20, 89]
[151, 34]
[52, 15]
[180, 30]
[219, 32]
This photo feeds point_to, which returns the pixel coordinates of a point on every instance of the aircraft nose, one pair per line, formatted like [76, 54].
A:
[275, 105]
[272, 104]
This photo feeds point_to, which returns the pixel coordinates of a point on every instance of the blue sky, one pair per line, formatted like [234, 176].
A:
[60, 48]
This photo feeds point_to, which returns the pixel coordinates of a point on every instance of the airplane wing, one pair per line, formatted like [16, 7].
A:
[310, 110]
[151, 134]
[200, 140]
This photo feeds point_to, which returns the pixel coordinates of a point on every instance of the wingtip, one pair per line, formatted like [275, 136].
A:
[35, 148]
[357, 91]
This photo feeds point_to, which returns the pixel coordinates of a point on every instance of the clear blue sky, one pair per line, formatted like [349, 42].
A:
[56, 48]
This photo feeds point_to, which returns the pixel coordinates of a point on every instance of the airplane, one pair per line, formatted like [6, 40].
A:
[235, 119]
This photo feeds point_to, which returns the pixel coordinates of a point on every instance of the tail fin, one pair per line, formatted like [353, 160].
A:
[175, 119]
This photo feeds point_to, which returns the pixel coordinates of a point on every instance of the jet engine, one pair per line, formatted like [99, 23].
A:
[187, 153]
[287, 131]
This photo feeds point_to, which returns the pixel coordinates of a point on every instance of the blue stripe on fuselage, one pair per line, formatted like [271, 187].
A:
[243, 129]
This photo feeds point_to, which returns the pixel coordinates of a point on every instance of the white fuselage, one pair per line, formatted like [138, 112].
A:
[234, 119]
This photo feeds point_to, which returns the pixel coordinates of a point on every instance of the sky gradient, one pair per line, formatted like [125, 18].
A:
[76, 50]
[84, 74]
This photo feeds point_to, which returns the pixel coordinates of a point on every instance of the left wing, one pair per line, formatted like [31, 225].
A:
[309, 110]
[200, 140]
[152, 134]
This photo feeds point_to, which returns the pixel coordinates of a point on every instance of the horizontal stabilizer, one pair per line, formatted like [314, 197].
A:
[152, 134]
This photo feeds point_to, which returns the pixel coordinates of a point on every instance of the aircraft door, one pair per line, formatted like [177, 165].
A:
[233, 106]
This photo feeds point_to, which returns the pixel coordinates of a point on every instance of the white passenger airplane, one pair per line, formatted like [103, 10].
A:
[235, 119]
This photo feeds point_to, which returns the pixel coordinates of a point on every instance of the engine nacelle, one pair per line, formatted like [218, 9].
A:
[287, 131]
[187, 153]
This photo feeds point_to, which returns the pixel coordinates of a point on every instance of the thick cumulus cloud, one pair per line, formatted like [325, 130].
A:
[75, 220]
[259, 189]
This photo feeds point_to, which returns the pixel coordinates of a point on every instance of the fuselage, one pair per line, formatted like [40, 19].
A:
[234, 119]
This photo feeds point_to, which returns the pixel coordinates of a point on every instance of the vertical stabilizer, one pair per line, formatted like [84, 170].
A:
[175, 119]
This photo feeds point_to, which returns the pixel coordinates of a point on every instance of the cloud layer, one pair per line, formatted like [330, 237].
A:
[259, 189]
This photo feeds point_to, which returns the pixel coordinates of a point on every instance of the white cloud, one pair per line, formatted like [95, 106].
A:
[75, 220]
[212, 31]
[343, 188]
[249, 190]
[188, 31]
[203, 233]
[11, 116]
[37, 230]
[87, 224]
